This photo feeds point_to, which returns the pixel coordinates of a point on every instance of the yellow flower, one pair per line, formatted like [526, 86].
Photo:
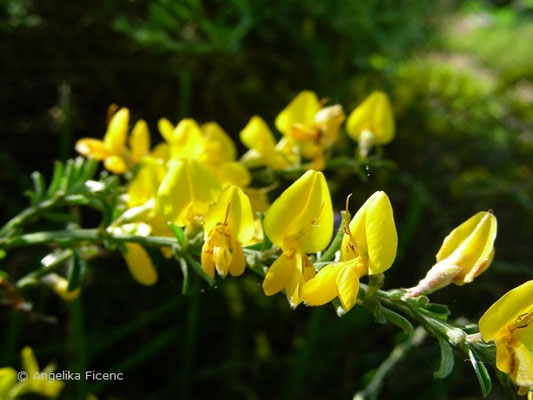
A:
[37, 382]
[186, 192]
[368, 247]
[465, 253]
[227, 225]
[184, 140]
[300, 221]
[372, 122]
[257, 136]
[509, 322]
[314, 128]
[112, 150]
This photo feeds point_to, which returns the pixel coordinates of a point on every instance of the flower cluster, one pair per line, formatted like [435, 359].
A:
[194, 181]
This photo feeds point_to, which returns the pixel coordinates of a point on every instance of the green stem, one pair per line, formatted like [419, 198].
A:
[33, 276]
[335, 245]
[372, 390]
[91, 235]
[28, 214]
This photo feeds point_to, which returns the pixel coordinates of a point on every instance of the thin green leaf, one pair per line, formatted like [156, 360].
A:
[67, 176]
[77, 267]
[56, 177]
[199, 270]
[39, 185]
[178, 232]
[398, 320]
[446, 360]
[375, 309]
[185, 270]
[481, 373]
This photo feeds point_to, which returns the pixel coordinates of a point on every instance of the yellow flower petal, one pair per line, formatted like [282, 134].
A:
[218, 146]
[323, 287]
[232, 208]
[348, 286]
[207, 260]
[186, 192]
[187, 140]
[93, 148]
[238, 263]
[166, 129]
[302, 217]
[516, 360]
[140, 264]
[328, 120]
[145, 184]
[374, 114]
[375, 232]
[470, 246]
[506, 310]
[258, 199]
[231, 173]
[139, 141]
[300, 111]
[297, 280]
[258, 137]
[117, 131]
[161, 152]
[116, 164]
[280, 274]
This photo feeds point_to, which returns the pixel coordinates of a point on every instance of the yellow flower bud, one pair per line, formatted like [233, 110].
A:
[465, 253]
[509, 322]
[372, 122]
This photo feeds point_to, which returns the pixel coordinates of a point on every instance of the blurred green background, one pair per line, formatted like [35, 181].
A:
[459, 75]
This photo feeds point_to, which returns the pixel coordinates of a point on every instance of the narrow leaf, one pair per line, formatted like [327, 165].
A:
[398, 320]
[77, 267]
[481, 372]
[39, 185]
[178, 232]
[56, 177]
[185, 270]
[446, 359]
